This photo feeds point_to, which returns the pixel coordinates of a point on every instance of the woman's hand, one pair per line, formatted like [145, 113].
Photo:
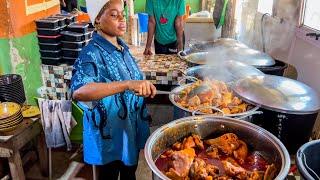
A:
[180, 47]
[147, 52]
[142, 88]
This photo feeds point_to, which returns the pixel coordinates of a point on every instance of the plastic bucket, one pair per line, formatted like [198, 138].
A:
[143, 22]
[308, 160]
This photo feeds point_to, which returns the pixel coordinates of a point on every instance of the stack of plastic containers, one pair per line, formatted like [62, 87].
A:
[76, 36]
[49, 37]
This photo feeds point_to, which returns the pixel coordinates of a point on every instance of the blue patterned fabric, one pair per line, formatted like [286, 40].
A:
[116, 127]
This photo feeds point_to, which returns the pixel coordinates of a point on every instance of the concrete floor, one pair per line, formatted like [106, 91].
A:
[62, 160]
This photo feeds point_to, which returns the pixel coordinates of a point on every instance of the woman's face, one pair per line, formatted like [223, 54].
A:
[112, 20]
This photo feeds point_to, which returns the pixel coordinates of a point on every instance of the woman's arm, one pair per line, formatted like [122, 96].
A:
[179, 29]
[151, 30]
[63, 3]
[97, 91]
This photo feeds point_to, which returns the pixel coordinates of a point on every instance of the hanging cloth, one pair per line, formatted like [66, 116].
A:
[219, 21]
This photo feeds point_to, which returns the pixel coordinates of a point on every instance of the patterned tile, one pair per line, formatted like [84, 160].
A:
[159, 69]
[163, 69]
[57, 80]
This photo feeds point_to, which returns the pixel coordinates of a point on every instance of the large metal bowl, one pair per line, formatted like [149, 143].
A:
[257, 138]
[180, 111]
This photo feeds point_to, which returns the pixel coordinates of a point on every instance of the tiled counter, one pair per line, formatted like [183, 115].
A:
[163, 69]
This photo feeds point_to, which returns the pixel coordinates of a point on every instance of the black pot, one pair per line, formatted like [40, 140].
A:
[292, 129]
[308, 158]
[277, 69]
[290, 108]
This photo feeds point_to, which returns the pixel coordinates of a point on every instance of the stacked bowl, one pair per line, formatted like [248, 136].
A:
[10, 116]
[11, 89]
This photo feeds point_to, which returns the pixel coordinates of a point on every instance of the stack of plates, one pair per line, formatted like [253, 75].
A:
[11, 89]
[10, 116]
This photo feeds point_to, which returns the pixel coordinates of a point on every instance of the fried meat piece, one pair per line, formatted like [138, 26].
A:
[198, 141]
[167, 153]
[241, 153]
[188, 143]
[226, 111]
[194, 101]
[236, 101]
[223, 178]
[256, 175]
[177, 146]
[180, 164]
[206, 97]
[233, 169]
[201, 171]
[213, 152]
[227, 143]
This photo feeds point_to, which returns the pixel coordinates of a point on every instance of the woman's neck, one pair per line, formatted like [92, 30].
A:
[112, 39]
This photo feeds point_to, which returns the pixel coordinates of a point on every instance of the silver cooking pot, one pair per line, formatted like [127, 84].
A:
[256, 137]
[180, 111]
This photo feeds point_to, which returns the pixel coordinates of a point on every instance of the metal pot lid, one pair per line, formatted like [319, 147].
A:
[228, 42]
[250, 56]
[224, 49]
[229, 71]
[204, 46]
[279, 94]
[220, 54]
[241, 70]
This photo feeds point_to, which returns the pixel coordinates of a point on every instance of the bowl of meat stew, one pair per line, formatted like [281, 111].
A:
[212, 147]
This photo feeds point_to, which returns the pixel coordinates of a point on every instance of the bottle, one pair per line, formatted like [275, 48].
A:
[188, 10]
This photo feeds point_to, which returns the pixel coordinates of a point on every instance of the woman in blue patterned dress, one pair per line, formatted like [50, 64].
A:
[109, 87]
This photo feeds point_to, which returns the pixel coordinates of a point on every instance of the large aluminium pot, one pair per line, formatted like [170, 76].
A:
[290, 108]
[180, 111]
[256, 137]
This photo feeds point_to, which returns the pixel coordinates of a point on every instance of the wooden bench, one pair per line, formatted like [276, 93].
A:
[10, 146]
